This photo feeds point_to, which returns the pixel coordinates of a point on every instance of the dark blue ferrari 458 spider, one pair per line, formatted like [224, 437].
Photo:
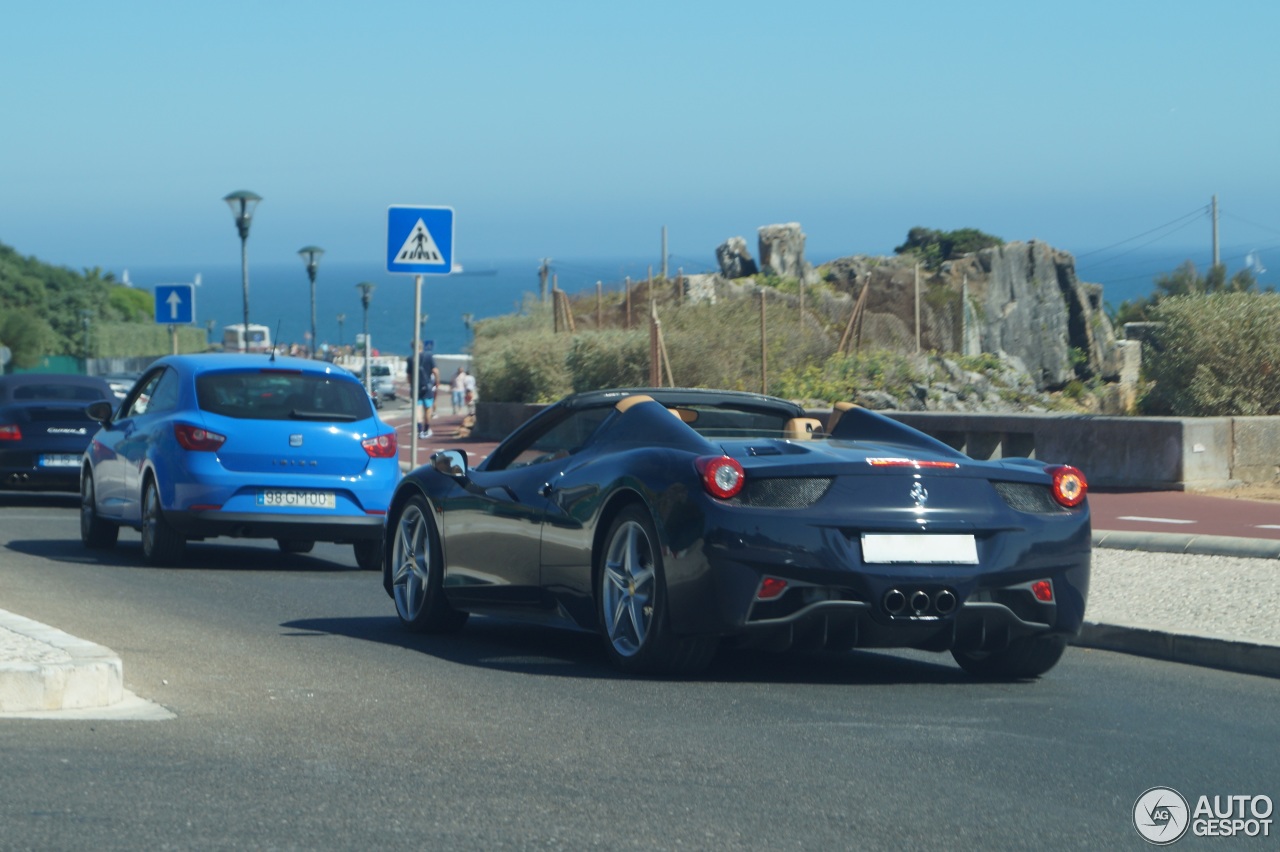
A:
[671, 521]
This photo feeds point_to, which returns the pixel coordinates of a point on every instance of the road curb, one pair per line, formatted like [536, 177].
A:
[55, 670]
[1200, 545]
[1228, 654]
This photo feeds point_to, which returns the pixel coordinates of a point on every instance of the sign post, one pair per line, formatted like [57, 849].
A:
[419, 242]
[175, 305]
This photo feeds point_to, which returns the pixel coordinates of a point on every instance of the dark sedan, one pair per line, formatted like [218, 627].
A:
[671, 521]
[44, 429]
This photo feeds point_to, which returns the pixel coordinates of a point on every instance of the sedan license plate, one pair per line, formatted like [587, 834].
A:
[59, 460]
[287, 498]
[888, 548]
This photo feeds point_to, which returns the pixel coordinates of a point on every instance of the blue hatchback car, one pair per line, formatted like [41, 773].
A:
[241, 445]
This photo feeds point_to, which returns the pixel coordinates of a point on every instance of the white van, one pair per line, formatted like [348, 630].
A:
[233, 338]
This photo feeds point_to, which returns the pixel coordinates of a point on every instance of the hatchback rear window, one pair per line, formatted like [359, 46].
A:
[282, 395]
[51, 392]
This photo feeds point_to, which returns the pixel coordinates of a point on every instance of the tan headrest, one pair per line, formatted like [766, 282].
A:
[837, 411]
[635, 399]
[801, 428]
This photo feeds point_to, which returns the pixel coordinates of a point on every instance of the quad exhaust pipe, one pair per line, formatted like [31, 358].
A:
[919, 602]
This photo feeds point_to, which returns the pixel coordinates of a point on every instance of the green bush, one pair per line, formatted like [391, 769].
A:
[1214, 355]
[840, 377]
[522, 367]
[608, 359]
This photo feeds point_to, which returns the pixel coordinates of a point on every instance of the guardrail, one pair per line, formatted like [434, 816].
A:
[1166, 453]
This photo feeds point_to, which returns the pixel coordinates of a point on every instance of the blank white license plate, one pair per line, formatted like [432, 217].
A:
[296, 499]
[909, 547]
[59, 460]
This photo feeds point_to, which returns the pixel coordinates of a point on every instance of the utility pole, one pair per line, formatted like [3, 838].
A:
[764, 349]
[543, 271]
[917, 308]
[664, 252]
[1217, 258]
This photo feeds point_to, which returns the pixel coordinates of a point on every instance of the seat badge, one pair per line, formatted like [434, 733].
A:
[295, 440]
[919, 494]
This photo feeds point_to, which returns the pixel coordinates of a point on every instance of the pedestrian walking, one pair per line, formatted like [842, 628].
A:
[471, 395]
[428, 383]
[459, 388]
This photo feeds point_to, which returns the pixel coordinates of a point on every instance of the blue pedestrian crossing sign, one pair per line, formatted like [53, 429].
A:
[175, 304]
[420, 240]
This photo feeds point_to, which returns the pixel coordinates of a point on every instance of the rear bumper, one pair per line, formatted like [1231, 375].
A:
[39, 478]
[976, 626]
[340, 529]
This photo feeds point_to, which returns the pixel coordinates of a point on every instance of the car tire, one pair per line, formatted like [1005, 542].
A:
[1023, 658]
[416, 572]
[162, 545]
[295, 545]
[631, 600]
[369, 554]
[95, 532]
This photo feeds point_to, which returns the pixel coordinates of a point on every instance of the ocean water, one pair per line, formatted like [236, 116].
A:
[280, 297]
[279, 293]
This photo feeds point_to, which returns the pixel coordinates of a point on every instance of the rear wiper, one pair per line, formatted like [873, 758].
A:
[322, 415]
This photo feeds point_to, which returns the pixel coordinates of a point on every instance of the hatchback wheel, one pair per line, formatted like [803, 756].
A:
[415, 567]
[162, 545]
[632, 600]
[369, 554]
[95, 532]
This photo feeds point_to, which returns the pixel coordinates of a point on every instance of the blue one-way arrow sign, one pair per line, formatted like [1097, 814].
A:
[420, 240]
[175, 304]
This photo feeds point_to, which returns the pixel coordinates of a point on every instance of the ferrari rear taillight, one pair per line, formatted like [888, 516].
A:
[1069, 485]
[381, 446]
[770, 588]
[10, 432]
[196, 438]
[721, 476]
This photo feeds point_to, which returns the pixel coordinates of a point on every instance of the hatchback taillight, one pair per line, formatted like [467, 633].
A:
[196, 438]
[381, 446]
[722, 476]
[10, 432]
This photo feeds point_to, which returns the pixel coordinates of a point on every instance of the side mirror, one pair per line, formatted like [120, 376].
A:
[100, 411]
[452, 463]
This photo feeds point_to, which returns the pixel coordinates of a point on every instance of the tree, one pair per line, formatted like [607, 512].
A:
[932, 248]
[1184, 281]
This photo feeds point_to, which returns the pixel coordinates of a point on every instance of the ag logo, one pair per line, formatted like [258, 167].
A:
[1161, 815]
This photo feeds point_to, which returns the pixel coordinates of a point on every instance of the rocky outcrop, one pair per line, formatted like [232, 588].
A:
[782, 253]
[735, 259]
[1021, 301]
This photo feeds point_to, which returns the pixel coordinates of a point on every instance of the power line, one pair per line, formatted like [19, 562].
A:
[1184, 219]
[1116, 257]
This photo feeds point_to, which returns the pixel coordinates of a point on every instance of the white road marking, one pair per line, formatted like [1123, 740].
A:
[1267, 526]
[1153, 520]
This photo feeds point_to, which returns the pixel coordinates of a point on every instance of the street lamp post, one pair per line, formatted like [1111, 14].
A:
[311, 257]
[341, 319]
[366, 294]
[242, 204]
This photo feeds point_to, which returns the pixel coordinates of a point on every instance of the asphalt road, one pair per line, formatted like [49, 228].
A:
[306, 719]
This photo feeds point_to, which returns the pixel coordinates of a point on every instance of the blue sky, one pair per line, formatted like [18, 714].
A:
[579, 129]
